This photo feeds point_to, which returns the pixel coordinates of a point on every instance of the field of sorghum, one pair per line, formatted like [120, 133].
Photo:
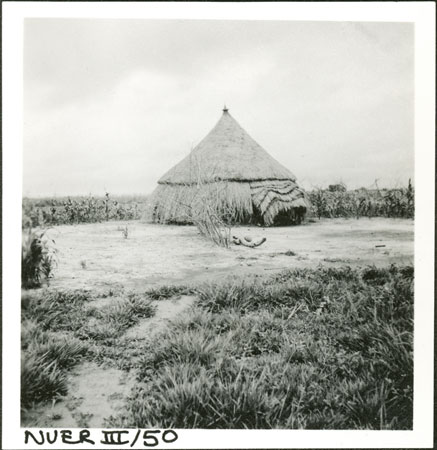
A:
[336, 201]
[70, 210]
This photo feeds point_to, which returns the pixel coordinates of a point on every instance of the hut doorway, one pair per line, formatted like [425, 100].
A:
[293, 216]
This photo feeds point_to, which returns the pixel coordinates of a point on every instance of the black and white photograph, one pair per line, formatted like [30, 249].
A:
[219, 227]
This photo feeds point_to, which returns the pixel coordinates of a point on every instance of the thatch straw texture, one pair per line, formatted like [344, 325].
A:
[234, 176]
[227, 153]
[179, 203]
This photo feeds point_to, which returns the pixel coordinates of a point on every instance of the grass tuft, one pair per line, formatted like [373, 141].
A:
[167, 291]
[46, 356]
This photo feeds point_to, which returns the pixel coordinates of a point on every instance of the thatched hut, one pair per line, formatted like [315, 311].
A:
[232, 171]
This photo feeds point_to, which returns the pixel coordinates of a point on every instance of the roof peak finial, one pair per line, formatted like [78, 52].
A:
[225, 109]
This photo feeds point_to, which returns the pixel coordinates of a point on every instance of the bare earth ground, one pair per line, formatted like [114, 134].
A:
[98, 257]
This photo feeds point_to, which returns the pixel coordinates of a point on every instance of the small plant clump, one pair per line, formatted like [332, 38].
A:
[38, 258]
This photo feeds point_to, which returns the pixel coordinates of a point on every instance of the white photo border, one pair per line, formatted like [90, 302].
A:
[422, 14]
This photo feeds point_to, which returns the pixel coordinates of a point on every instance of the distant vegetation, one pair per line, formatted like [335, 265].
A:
[335, 201]
[71, 210]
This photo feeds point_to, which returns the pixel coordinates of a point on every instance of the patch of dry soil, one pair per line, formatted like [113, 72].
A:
[97, 256]
[95, 393]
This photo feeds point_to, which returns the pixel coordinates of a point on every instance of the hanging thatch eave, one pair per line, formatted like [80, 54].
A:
[177, 203]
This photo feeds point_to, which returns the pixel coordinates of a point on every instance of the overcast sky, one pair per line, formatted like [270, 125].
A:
[113, 104]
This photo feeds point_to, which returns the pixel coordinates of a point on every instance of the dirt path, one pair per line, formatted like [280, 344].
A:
[96, 393]
[166, 310]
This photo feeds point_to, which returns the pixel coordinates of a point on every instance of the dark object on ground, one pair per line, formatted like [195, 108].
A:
[248, 243]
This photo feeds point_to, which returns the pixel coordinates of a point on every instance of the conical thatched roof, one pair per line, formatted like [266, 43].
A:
[227, 153]
[234, 173]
